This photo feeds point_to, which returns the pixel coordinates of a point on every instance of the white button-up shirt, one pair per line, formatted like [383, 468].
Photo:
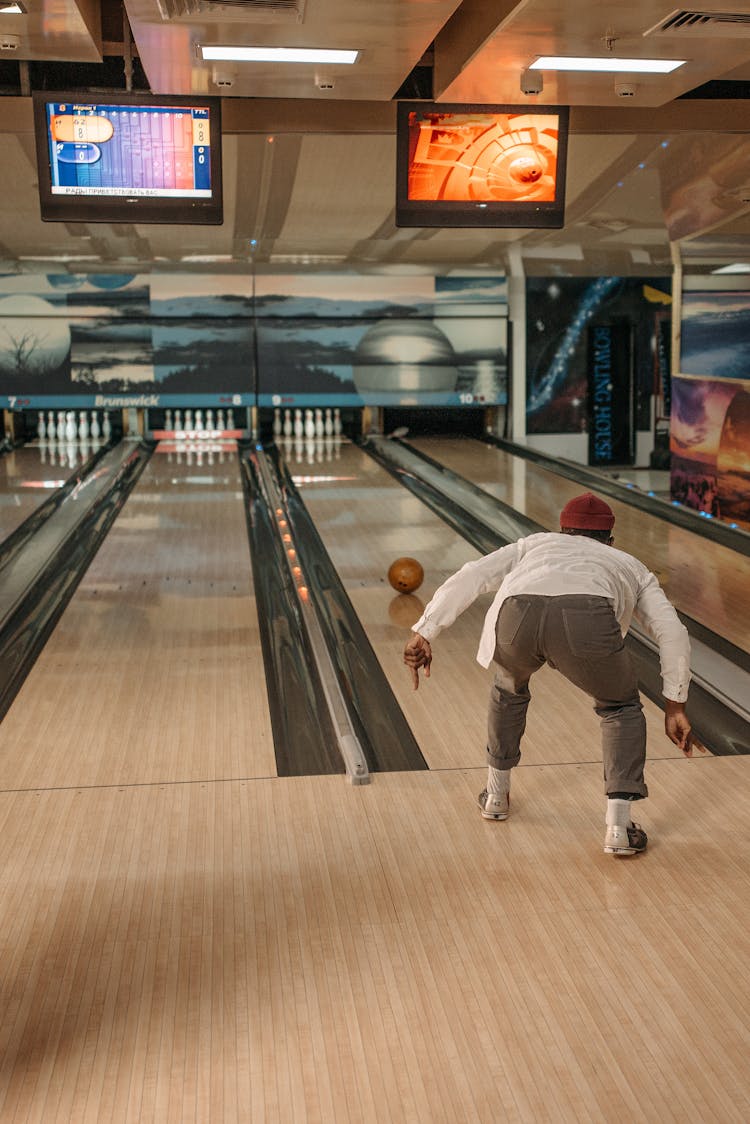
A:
[551, 564]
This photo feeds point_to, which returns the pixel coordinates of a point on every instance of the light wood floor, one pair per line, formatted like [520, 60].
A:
[185, 936]
[304, 950]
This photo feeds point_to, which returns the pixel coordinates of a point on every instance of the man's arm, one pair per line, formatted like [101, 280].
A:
[678, 728]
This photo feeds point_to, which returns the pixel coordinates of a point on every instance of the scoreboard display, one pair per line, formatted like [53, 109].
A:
[131, 158]
[129, 150]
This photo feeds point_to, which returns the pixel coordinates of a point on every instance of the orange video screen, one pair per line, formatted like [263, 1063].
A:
[476, 157]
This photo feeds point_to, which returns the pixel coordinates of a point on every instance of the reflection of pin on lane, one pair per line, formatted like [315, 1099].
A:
[88, 127]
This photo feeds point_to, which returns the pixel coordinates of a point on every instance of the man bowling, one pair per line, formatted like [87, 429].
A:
[566, 599]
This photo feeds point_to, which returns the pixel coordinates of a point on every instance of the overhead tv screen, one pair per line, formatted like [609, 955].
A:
[481, 165]
[128, 158]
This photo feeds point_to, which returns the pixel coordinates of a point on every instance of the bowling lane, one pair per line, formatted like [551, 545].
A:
[28, 475]
[703, 579]
[366, 520]
[154, 673]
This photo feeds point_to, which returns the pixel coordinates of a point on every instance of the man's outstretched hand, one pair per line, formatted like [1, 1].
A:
[678, 728]
[418, 653]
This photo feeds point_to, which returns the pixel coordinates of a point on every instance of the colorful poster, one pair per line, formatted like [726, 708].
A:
[710, 446]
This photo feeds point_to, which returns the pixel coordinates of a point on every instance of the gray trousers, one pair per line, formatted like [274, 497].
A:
[580, 637]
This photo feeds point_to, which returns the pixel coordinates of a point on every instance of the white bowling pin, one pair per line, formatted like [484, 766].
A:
[95, 430]
[189, 419]
[106, 426]
[199, 421]
[337, 421]
[299, 427]
[60, 425]
[277, 423]
[178, 419]
[220, 423]
[319, 428]
[70, 427]
[309, 425]
[288, 423]
[328, 423]
[41, 428]
[83, 426]
[168, 420]
[230, 419]
[210, 420]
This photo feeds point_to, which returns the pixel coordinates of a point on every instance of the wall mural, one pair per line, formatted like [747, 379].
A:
[710, 425]
[166, 339]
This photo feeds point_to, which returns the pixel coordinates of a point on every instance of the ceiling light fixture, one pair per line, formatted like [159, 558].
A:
[736, 267]
[14, 9]
[607, 65]
[279, 54]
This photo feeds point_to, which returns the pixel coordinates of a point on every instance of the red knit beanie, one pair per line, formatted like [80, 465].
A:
[587, 513]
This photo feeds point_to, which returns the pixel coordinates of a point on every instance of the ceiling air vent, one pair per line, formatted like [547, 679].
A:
[703, 25]
[232, 11]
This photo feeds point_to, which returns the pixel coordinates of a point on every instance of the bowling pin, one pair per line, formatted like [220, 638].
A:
[319, 428]
[50, 426]
[178, 419]
[199, 421]
[210, 425]
[277, 423]
[60, 425]
[106, 426]
[189, 420]
[95, 430]
[288, 423]
[220, 423]
[41, 428]
[299, 428]
[337, 421]
[309, 425]
[70, 428]
[230, 419]
[83, 426]
[168, 420]
[328, 423]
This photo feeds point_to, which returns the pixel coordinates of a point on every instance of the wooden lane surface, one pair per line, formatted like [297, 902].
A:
[26, 481]
[366, 520]
[705, 580]
[299, 949]
[154, 672]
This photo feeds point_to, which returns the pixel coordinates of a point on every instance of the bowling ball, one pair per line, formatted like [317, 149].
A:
[405, 575]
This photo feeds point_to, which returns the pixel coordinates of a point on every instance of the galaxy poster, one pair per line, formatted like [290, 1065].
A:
[559, 315]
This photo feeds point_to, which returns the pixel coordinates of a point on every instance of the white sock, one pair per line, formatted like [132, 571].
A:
[618, 813]
[498, 781]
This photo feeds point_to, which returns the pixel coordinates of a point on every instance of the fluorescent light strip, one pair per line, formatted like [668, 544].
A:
[278, 54]
[737, 267]
[608, 65]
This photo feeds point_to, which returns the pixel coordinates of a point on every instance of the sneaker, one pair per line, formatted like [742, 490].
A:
[625, 840]
[493, 807]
